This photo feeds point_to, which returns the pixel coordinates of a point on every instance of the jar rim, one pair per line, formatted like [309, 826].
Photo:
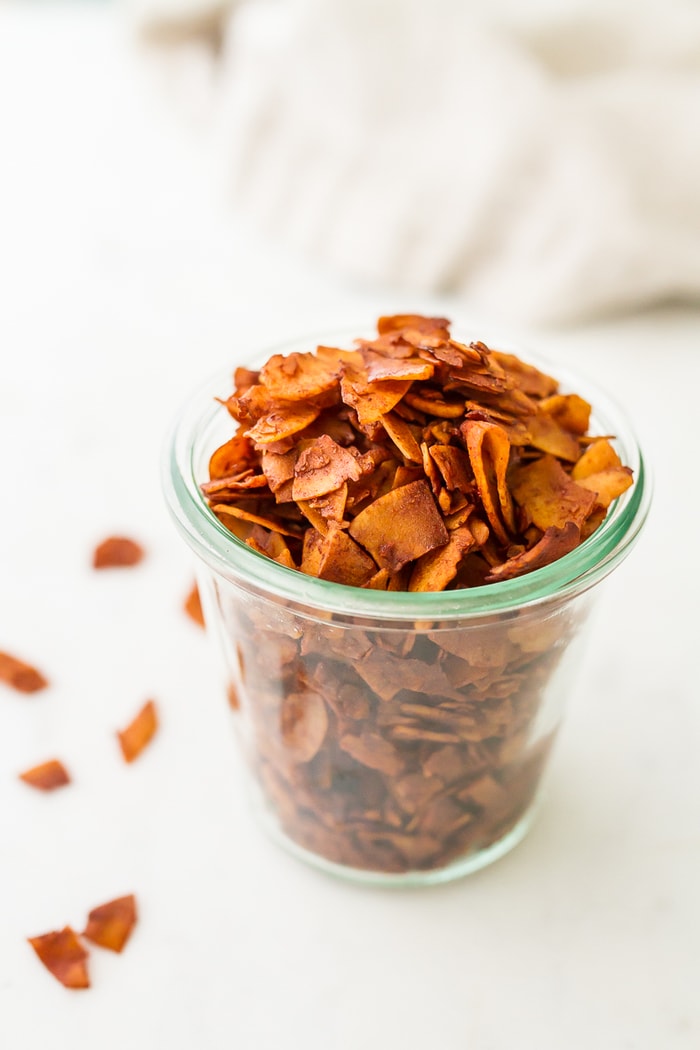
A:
[576, 572]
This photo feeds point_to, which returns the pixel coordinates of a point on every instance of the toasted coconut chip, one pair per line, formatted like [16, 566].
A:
[476, 379]
[326, 510]
[536, 637]
[440, 432]
[607, 484]
[514, 402]
[593, 521]
[431, 348]
[285, 558]
[270, 543]
[373, 751]
[371, 401]
[117, 552]
[555, 543]
[193, 606]
[278, 467]
[532, 535]
[434, 570]
[368, 488]
[568, 410]
[547, 435]
[379, 368]
[139, 733]
[487, 649]
[548, 496]
[473, 354]
[312, 552]
[460, 672]
[401, 434]
[110, 925]
[46, 777]
[589, 439]
[282, 421]
[413, 790]
[391, 344]
[438, 352]
[486, 792]
[284, 445]
[304, 724]
[343, 561]
[64, 956]
[333, 422]
[411, 415]
[20, 675]
[380, 581]
[215, 485]
[454, 466]
[491, 551]
[244, 378]
[460, 517]
[400, 526]
[322, 467]
[489, 453]
[233, 457]
[369, 461]
[518, 433]
[231, 487]
[336, 355]
[387, 675]
[445, 765]
[295, 377]
[489, 361]
[479, 529]
[488, 413]
[232, 696]
[472, 572]
[435, 405]
[258, 401]
[283, 493]
[436, 326]
[405, 475]
[431, 471]
[237, 526]
[528, 378]
[416, 850]
[223, 510]
[598, 457]
[458, 500]
[423, 734]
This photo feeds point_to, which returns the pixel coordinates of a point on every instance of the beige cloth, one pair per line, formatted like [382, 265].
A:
[546, 167]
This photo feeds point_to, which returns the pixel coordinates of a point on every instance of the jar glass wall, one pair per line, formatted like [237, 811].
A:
[394, 736]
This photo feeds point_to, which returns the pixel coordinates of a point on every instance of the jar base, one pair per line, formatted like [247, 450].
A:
[457, 869]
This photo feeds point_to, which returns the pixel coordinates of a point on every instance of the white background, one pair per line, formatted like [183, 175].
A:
[125, 281]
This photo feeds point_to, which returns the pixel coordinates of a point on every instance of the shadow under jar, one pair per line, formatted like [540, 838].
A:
[393, 736]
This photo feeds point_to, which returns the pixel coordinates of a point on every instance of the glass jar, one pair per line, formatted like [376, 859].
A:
[393, 736]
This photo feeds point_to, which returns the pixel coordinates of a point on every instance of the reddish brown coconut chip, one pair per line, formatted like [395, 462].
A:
[64, 956]
[193, 606]
[46, 777]
[139, 733]
[117, 552]
[110, 925]
[20, 675]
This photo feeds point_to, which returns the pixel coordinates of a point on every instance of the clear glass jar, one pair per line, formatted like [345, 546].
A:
[393, 736]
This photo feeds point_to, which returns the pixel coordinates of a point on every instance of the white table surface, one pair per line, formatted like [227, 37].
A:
[125, 280]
